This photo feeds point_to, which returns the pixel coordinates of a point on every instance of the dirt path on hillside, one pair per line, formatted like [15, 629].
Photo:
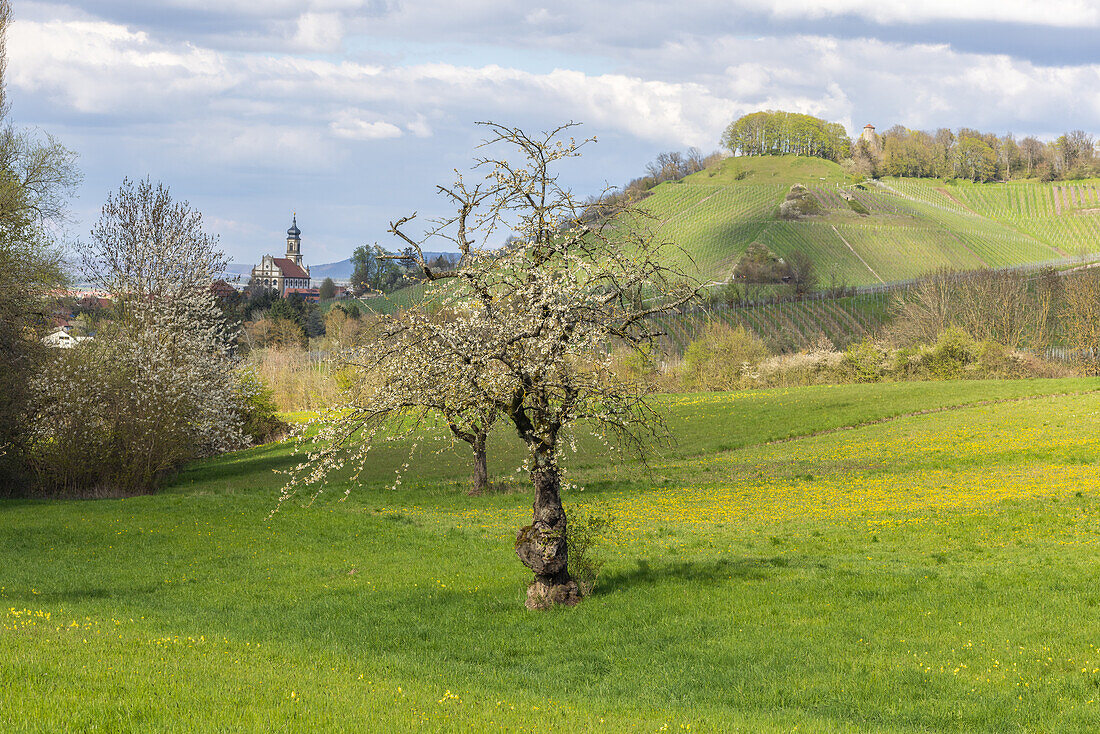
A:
[838, 234]
[960, 202]
[929, 411]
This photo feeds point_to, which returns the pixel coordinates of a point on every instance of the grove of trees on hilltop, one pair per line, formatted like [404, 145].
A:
[785, 133]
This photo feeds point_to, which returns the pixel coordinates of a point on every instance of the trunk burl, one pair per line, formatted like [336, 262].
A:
[543, 548]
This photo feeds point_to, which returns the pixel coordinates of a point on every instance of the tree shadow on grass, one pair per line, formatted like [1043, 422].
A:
[255, 461]
[647, 574]
[82, 594]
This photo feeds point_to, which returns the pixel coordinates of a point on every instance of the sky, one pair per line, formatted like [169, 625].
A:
[350, 112]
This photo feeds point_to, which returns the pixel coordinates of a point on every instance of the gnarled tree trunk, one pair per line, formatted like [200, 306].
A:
[480, 478]
[477, 438]
[542, 545]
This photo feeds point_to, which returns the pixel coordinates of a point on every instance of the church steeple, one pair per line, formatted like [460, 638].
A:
[294, 242]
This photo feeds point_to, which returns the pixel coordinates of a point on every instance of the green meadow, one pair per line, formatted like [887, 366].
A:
[906, 557]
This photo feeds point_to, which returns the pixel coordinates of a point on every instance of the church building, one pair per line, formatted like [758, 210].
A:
[282, 273]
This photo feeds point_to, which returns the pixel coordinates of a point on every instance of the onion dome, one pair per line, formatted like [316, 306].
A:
[294, 232]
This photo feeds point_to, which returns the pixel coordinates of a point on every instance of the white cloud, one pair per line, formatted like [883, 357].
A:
[97, 67]
[224, 144]
[108, 69]
[1064, 13]
[319, 32]
[419, 127]
[349, 125]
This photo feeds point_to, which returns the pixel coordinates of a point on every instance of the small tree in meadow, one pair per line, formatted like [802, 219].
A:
[403, 368]
[529, 330]
[157, 384]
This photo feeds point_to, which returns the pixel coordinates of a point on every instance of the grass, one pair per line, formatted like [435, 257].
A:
[884, 572]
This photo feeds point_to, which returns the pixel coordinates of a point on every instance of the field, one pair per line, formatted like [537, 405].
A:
[916, 572]
[912, 226]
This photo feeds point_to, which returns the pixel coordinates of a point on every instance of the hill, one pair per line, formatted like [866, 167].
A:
[931, 572]
[873, 233]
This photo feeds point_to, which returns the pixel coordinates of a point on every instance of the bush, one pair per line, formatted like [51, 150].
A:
[953, 352]
[586, 533]
[799, 203]
[728, 294]
[119, 413]
[758, 264]
[791, 370]
[259, 414]
[297, 382]
[729, 359]
[717, 360]
[634, 365]
[156, 386]
[865, 362]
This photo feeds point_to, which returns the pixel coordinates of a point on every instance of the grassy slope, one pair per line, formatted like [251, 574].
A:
[930, 573]
[913, 226]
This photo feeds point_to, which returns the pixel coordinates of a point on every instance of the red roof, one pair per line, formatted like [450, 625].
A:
[222, 289]
[289, 269]
[868, 125]
[95, 302]
[304, 291]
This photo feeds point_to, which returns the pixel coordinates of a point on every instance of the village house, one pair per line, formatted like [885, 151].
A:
[62, 339]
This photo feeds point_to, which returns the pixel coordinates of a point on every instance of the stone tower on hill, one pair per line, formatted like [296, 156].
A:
[870, 137]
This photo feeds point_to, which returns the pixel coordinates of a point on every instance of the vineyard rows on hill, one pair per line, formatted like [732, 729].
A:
[908, 226]
[789, 326]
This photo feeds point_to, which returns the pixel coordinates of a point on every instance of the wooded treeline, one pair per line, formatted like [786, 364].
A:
[975, 156]
[965, 153]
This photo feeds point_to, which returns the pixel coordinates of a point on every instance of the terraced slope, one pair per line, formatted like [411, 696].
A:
[788, 325]
[911, 226]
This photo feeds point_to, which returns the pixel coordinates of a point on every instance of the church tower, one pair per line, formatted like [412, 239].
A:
[294, 243]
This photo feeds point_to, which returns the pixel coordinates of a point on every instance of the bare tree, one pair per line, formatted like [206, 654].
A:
[926, 311]
[1081, 315]
[1031, 150]
[532, 327]
[1015, 309]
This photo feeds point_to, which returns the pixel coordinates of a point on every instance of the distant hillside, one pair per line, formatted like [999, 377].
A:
[877, 232]
[341, 270]
[337, 271]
